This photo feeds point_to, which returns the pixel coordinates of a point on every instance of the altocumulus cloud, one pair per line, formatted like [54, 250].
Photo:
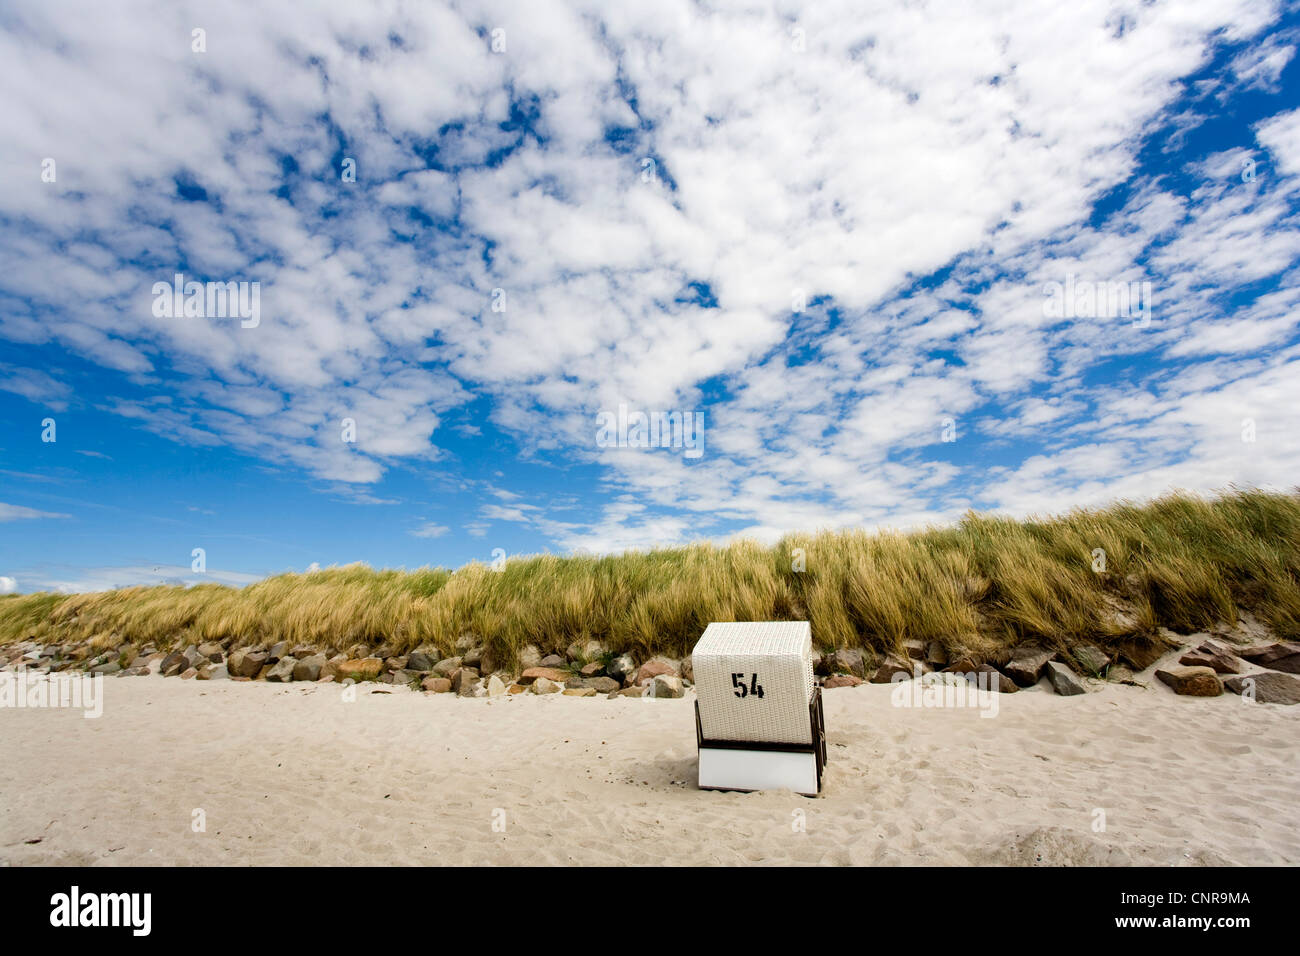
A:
[828, 228]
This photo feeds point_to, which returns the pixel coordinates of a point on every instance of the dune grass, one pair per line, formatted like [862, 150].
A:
[982, 586]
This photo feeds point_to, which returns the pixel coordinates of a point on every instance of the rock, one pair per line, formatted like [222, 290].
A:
[1027, 664]
[1092, 660]
[173, 664]
[846, 660]
[1121, 674]
[281, 671]
[397, 663]
[543, 673]
[193, 657]
[436, 685]
[988, 677]
[966, 664]
[1277, 657]
[579, 692]
[445, 668]
[212, 652]
[632, 691]
[406, 678]
[495, 686]
[915, 649]
[420, 661]
[473, 657]
[112, 667]
[554, 661]
[666, 685]
[214, 672]
[621, 668]
[894, 665]
[1064, 681]
[278, 650]
[384, 651]
[309, 668]
[517, 689]
[935, 654]
[544, 685]
[1192, 681]
[602, 685]
[841, 680]
[301, 651]
[687, 667]
[529, 656]
[189, 673]
[368, 668]
[593, 669]
[654, 668]
[463, 681]
[331, 669]
[357, 651]
[1211, 655]
[1141, 652]
[1270, 687]
[242, 662]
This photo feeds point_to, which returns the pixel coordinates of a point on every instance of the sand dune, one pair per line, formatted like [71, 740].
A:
[292, 774]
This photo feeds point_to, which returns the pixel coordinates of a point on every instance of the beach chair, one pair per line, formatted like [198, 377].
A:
[758, 712]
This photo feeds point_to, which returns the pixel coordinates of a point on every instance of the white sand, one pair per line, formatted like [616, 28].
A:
[291, 774]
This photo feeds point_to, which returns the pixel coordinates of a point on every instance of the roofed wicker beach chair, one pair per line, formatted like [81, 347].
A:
[758, 712]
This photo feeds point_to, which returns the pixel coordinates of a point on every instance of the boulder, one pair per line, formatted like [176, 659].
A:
[621, 668]
[655, 667]
[445, 668]
[397, 663]
[989, 677]
[192, 656]
[1091, 659]
[1192, 681]
[1063, 680]
[436, 685]
[1277, 657]
[1270, 687]
[893, 665]
[543, 673]
[463, 681]
[278, 650]
[405, 677]
[554, 661]
[243, 662]
[214, 672]
[473, 657]
[173, 664]
[846, 660]
[309, 668]
[603, 685]
[841, 680]
[495, 686]
[594, 669]
[1141, 652]
[1027, 664]
[189, 673]
[666, 685]
[212, 652]
[1209, 654]
[281, 671]
[368, 668]
[420, 661]
[330, 671]
[544, 685]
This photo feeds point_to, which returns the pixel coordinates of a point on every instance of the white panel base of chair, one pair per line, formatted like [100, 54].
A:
[732, 769]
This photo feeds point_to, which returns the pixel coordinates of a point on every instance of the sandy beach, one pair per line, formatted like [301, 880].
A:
[293, 774]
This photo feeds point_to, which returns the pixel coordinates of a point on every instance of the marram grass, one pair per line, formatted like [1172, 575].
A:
[982, 586]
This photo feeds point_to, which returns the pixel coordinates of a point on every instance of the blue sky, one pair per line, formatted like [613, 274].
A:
[830, 232]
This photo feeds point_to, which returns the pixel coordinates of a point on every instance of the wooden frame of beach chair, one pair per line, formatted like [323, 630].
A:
[759, 723]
